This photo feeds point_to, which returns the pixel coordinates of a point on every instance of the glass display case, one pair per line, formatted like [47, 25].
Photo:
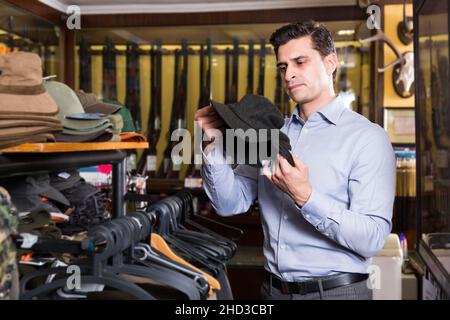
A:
[22, 31]
[433, 145]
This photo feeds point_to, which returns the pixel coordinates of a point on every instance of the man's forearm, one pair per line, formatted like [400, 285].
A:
[361, 232]
[229, 193]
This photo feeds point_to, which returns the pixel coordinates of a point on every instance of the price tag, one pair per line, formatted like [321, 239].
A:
[193, 182]
[131, 162]
[151, 163]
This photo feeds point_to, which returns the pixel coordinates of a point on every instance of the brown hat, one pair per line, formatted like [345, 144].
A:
[21, 89]
[29, 123]
[91, 104]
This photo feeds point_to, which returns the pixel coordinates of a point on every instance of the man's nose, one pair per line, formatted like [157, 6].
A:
[289, 74]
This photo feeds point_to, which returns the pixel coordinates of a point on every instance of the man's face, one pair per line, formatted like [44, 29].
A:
[304, 72]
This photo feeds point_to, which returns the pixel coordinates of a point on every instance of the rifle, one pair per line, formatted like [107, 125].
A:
[132, 82]
[343, 73]
[234, 75]
[148, 161]
[10, 39]
[251, 63]
[205, 96]
[132, 99]
[227, 76]
[109, 70]
[173, 171]
[47, 61]
[281, 97]
[359, 102]
[85, 65]
[162, 170]
[167, 168]
[262, 67]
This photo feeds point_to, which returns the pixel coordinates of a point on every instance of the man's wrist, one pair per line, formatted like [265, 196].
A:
[207, 147]
[301, 199]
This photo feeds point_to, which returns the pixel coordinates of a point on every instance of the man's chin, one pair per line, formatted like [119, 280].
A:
[301, 98]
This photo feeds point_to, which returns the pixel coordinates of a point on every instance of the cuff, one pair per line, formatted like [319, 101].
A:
[214, 157]
[316, 209]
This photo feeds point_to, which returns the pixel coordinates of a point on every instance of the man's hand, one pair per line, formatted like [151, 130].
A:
[292, 180]
[210, 122]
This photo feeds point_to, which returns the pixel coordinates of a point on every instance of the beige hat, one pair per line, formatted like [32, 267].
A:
[21, 89]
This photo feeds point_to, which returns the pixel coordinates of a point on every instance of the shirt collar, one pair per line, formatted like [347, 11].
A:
[332, 111]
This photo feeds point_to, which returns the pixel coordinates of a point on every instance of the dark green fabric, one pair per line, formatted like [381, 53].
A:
[128, 123]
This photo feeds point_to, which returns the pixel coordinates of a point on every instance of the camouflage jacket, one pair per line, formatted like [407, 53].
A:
[8, 226]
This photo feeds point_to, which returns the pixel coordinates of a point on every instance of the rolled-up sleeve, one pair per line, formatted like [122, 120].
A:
[230, 191]
[364, 226]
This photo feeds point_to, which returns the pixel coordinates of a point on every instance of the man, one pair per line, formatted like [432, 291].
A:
[326, 217]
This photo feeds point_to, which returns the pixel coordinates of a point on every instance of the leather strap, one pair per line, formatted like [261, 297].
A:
[314, 285]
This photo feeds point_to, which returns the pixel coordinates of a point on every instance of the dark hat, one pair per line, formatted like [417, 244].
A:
[92, 104]
[27, 192]
[64, 179]
[101, 136]
[256, 112]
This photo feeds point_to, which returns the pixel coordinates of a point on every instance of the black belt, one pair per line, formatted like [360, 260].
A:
[314, 285]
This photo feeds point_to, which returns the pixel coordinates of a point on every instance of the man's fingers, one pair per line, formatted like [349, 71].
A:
[285, 167]
[298, 163]
[208, 123]
[205, 111]
[217, 123]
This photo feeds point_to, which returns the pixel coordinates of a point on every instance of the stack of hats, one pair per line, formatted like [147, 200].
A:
[89, 203]
[93, 105]
[78, 126]
[60, 195]
[27, 111]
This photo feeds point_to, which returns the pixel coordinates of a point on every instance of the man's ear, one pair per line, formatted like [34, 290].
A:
[331, 63]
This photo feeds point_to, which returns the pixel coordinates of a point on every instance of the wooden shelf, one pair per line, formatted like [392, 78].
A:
[73, 147]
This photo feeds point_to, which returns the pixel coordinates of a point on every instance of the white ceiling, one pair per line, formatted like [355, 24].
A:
[178, 6]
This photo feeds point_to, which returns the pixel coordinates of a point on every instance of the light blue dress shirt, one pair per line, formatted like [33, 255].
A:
[348, 215]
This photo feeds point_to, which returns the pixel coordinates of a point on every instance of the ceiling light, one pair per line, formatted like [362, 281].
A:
[345, 32]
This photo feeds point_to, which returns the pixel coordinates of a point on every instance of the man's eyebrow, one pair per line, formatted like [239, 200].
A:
[296, 58]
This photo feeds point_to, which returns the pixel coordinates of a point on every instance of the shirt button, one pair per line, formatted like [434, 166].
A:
[306, 130]
[307, 216]
[285, 217]
[282, 247]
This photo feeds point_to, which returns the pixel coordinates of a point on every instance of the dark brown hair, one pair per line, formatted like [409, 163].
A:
[320, 36]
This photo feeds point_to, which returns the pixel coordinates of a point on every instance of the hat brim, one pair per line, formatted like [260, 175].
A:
[24, 132]
[101, 136]
[83, 124]
[230, 118]
[28, 123]
[88, 131]
[54, 195]
[14, 116]
[37, 104]
[102, 107]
